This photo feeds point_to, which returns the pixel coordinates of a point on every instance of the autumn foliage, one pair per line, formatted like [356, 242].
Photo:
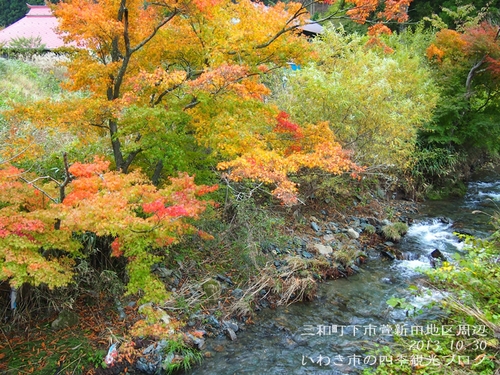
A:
[291, 148]
[142, 219]
[393, 10]
[149, 84]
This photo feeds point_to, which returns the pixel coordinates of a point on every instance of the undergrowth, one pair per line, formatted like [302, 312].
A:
[467, 340]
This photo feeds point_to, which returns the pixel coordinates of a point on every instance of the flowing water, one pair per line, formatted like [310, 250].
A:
[334, 333]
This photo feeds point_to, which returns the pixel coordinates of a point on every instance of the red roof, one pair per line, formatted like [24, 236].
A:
[39, 22]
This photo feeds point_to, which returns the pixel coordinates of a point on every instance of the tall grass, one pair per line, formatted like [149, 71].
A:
[21, 81]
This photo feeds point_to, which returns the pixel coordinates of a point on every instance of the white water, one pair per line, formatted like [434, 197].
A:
[423, 238]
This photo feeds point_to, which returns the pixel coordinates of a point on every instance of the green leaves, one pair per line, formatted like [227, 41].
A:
[374, 102]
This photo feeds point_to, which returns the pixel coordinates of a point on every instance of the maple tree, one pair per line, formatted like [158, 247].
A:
[139, 91]
[151, 64]
[38, 223]
[296, 147]
[156, 80]
[466, 66]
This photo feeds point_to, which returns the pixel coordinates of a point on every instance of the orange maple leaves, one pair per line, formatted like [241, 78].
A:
[394, 10]
[479, 42]
[127, 207]
[310, 146]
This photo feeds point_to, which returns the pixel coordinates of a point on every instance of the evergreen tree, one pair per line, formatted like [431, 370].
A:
[13, 10]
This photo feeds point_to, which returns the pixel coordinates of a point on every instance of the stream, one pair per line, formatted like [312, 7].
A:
[334, 333]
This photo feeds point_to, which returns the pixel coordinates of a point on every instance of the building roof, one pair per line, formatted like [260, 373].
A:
[39, 22]
[312, 28]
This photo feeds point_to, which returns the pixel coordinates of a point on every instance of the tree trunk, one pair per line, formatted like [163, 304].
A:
[156, 175]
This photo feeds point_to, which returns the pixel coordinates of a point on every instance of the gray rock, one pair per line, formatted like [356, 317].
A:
[352, 234]
[355, 268]
[212, 320]
[373, 221]
[65, 319]
[264, 304]
[146, 366]
[333, 226]
[230, 334]
[164, 272]
[388, 255]
[328, 237]
[355, 222]
[195, 341]
[225, 279]
[306, 255]
[237, 293]
[436, 255]
[315, 226]
[381, 193]
[231, 325]
[322, 249]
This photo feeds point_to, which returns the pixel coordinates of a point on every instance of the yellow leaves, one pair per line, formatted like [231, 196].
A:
[89, 23]
[448, 43]
[273, 165]
[146, 87]
[220, 78]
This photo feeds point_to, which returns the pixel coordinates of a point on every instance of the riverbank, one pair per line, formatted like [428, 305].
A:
[233, 323]
[320, 243]
[357, 325]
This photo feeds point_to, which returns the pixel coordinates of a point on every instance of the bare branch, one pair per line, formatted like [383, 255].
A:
[15, 156]
[470, 76]
[39, 189]
[155, 30]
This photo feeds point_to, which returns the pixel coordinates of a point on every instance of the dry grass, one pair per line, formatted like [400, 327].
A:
[290, 283]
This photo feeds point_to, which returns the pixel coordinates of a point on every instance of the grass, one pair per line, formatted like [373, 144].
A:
[22, 82]
[394, 231]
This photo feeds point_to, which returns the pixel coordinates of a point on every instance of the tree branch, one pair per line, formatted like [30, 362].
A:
[39, 189]
[470, 76]
[67, 179]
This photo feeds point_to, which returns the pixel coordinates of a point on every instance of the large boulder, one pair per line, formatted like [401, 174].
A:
[212, 289]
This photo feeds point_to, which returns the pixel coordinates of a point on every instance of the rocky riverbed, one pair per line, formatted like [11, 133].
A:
[322, 245]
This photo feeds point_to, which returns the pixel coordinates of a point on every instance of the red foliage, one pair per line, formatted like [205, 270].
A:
[482, 40]
[97, 201]
[493, 66]
[285, 126]
[158, 208]
[115, 248]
